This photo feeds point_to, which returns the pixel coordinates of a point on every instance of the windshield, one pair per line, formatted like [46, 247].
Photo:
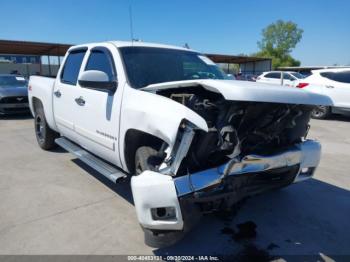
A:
[298, 75]
[147, 65]
[12, 81]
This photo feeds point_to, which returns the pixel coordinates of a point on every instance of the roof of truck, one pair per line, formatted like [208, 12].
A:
[136, 43]
[146, 44]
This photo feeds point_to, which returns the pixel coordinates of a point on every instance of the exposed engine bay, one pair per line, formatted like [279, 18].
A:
[237, 128]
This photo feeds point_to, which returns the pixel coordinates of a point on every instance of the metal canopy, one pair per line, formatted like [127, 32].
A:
[55, 49]
[32, 48]
[233, 59]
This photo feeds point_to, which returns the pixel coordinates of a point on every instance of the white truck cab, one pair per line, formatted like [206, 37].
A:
[192, 141]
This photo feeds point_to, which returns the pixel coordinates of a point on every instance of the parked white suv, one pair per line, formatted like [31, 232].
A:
[275, 77]
[334, 83]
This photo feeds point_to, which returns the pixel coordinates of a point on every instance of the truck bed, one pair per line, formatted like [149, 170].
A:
[41, 87]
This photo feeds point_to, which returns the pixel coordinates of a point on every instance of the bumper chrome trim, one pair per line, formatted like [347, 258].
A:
[155, 190]
[306, 154]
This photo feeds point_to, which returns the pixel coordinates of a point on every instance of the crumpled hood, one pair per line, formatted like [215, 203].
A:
[249, 91]
[13, 91]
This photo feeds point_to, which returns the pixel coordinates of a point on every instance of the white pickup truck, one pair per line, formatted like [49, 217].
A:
[192, 141]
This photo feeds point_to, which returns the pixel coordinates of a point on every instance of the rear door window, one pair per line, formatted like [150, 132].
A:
[342, 77]
[274, 75]
[72, 66]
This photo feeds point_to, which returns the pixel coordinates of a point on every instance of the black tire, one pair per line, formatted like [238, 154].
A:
[321, 112]
[146, 158]
[44, 134]
[159, 239]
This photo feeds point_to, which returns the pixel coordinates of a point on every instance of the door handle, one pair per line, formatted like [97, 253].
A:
[80, 101]
[330, 87]
[57, 93]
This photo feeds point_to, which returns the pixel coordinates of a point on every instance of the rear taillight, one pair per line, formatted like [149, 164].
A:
[29, 88]
[302, 85]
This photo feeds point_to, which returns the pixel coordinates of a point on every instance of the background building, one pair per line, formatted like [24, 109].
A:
[35, 58]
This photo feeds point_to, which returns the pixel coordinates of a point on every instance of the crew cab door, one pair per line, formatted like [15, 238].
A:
[98, 109]
[65, 90]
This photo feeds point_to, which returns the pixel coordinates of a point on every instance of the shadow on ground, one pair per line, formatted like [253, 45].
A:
[16, 117]
[309, 218]
[123, 188]
[304, 219]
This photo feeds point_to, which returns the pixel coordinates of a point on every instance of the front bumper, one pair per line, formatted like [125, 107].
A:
[232, 181]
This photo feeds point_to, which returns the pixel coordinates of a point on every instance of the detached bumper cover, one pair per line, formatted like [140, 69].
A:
[155, 190]
[254, 173]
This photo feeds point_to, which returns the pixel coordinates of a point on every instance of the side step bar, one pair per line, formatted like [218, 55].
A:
[109, 171]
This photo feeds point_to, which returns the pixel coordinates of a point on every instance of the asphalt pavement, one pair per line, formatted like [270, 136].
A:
[52, 203]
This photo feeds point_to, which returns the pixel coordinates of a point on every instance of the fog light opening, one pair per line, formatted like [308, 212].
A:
[163, 213]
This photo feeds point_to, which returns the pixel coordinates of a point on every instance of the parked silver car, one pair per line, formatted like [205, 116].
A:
[13, 94]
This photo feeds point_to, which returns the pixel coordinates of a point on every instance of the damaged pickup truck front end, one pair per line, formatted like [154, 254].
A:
[255, 141]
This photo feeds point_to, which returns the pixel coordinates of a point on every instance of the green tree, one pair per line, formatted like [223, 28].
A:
[278, 41]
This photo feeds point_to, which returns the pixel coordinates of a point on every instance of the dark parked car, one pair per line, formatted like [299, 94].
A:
[13, 94]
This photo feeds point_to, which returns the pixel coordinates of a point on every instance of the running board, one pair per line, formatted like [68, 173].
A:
[110, 172]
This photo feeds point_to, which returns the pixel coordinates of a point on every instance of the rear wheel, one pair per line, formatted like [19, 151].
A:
[321, 112]
[146, 158]
[44, 134]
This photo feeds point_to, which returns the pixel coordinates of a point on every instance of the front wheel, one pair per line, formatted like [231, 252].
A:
[147, 158]
[321, 112]
[44, 134]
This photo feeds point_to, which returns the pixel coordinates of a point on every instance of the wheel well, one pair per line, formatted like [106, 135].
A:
[36, 104]
[134, 139]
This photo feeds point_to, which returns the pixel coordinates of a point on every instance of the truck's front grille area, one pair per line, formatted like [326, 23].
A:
[14, 100]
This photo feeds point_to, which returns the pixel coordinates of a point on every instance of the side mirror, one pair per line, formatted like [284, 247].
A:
[98, 80]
